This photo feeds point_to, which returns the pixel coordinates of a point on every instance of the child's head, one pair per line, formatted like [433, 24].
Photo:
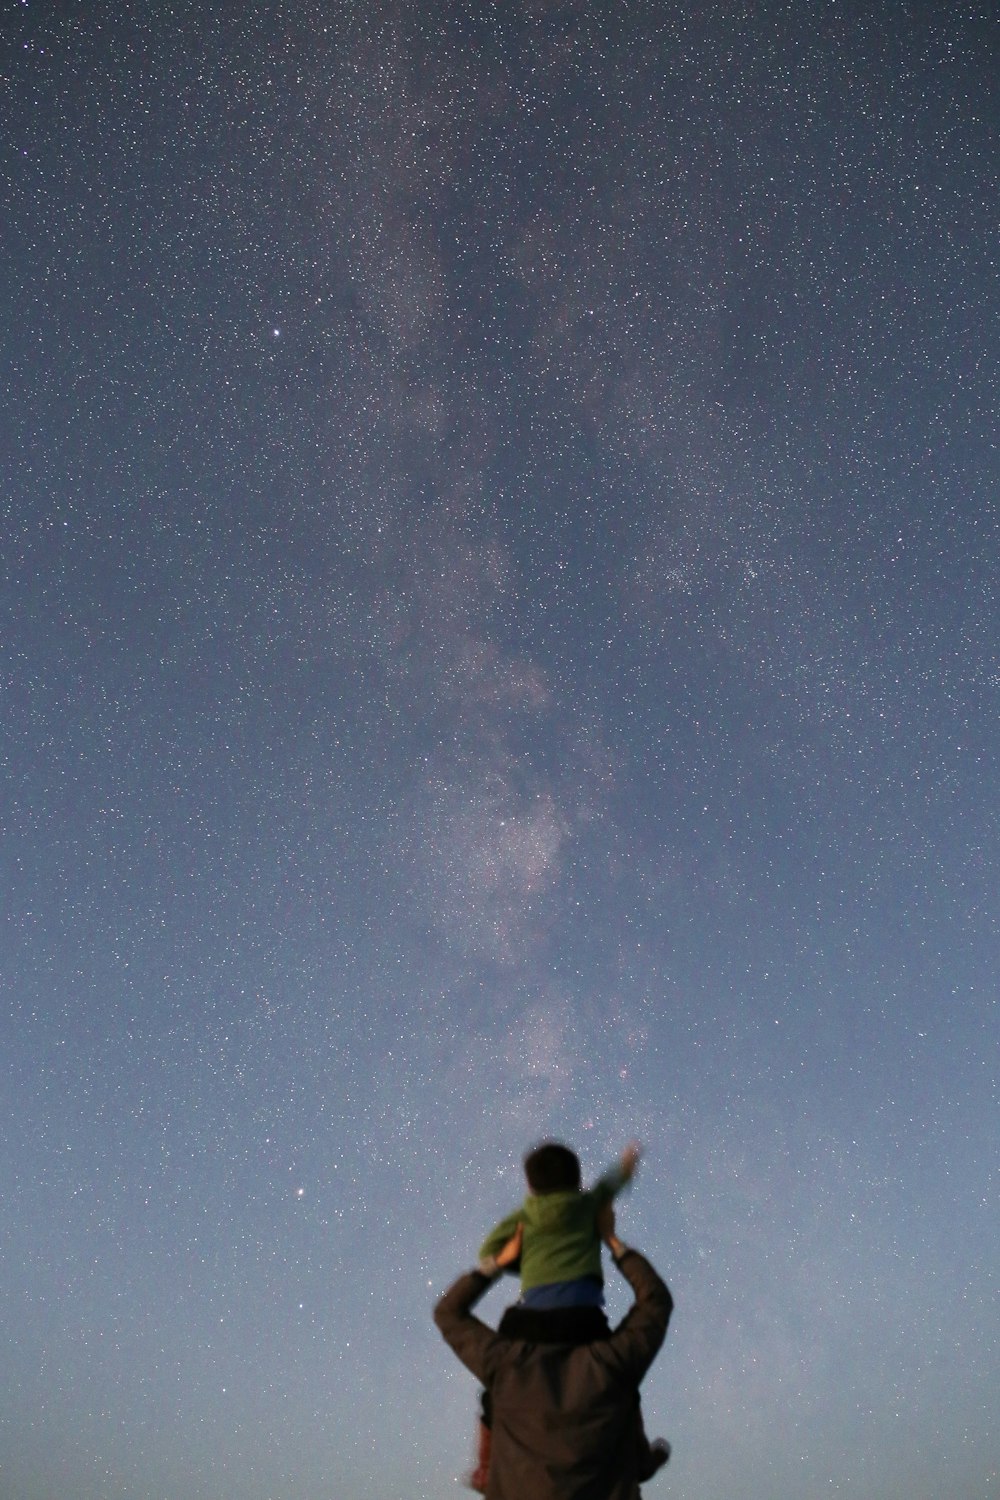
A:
[552, 1168]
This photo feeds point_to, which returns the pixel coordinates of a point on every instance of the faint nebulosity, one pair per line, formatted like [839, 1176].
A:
[500, 624]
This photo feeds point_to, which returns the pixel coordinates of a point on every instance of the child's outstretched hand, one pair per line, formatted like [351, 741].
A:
[630, 1159]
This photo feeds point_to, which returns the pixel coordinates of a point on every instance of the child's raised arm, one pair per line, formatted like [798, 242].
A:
[499, 1235]
[611, 1183]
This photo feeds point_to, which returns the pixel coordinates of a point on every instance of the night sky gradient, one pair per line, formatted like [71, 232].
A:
[500, 611]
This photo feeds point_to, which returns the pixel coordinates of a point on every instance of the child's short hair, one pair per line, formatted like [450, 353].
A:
[552, 1168]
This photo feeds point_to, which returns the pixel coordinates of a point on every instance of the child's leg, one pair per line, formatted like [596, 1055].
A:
[652, 1455]
[477, 1480]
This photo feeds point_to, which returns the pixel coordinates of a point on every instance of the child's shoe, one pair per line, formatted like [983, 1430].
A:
[477, 1480]
[656, 1455]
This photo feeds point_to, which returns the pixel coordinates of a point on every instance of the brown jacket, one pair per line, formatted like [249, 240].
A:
[565, 1414]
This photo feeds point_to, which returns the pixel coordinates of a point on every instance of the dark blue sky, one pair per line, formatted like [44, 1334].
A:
[499, 639]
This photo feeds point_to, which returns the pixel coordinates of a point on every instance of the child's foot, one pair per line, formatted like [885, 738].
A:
[657, 1456]
[480, 1474]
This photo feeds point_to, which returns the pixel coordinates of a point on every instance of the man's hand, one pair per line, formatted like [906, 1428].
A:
[511, 1252]
[604, 1219]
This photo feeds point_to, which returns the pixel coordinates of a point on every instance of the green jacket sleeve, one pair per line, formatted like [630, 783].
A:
[500, 1234]
[609, 1186]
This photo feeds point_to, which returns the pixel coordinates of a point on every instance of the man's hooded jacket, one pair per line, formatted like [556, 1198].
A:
[563, 1387]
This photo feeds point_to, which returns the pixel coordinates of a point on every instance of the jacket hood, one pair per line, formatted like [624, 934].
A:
[556, 1325]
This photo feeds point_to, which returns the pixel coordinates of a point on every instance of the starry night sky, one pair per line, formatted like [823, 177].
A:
[501, 570]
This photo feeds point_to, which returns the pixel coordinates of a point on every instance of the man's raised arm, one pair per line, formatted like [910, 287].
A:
[636, 1341]
[468, 1337]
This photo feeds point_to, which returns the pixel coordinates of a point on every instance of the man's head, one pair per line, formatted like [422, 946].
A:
[552, 1168]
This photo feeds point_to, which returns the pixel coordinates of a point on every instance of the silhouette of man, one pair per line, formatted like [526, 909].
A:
[564, 1395]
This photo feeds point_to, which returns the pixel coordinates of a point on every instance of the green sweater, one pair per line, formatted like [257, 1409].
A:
[560, 1238]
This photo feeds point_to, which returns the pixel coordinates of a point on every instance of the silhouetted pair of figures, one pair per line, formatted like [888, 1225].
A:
[561, 1388]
